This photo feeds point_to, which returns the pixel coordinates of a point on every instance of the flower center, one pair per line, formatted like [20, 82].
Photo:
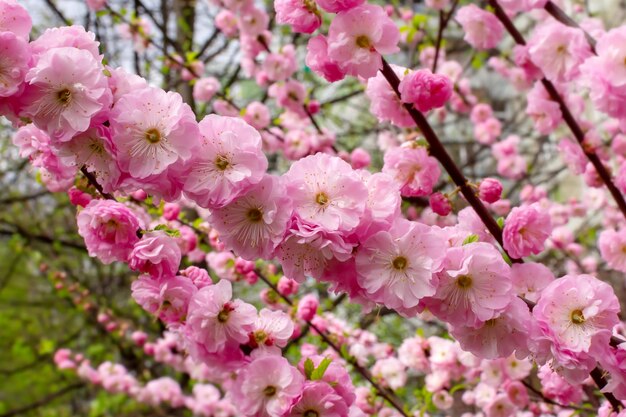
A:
[321, 199]
[363, 42]
[223, 315]
[577, 317]
[153, 135]
[464, 282]
[260, 336]
[269, 391]
[490, 323]
[310, 413]
[221, 162]
[254, 215]
[64, 96]
[399, 263]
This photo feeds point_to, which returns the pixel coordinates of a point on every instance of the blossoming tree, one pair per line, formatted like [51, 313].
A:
[269, 231]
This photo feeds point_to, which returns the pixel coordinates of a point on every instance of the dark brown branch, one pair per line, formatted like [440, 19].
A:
[562, 17]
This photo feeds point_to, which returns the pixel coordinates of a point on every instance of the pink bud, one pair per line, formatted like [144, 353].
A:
[313, 106]
[360, 158]
[440, 204]
[307, 307]
[490, 190]
[171, 211]
[287, 286]
[78, 198]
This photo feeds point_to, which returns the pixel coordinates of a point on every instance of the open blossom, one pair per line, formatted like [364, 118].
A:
[229, 160]
[327, 192]
[526, 230]
[152, 130]
[94, 150]
[63, 99]
[575, 311]
[14, 63]
[205, 88]
[336, 6]
[500, 336]
[396, 267]
[272, 328]
[612, 245]
[301, 15]
[267, 387]
[384, 102]
[317, 59]
[226, 21]
[558, 50]
[474, 286]
[66, 36]
[257, 115]
[319, 399]
[156, 254]
[425, 90]
[358, 37]
[166, 297]
[412, 167]
[482, 29]
[530, 278]
[14, 18]
[109, 229]
[254, 224]
[214, 320]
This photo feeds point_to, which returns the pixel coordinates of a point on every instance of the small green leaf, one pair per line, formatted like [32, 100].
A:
[319, 372]
[500, 222]
[470, 239]
[309, 367]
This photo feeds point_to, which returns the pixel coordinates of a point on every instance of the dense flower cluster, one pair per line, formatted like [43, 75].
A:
[327, 217]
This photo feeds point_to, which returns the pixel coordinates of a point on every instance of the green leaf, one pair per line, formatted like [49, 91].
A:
[419, 20]
[500, 222]
[470, 239]
[319, 372]
[309, 367]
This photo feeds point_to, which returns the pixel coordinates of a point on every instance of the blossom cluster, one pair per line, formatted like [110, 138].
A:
[324, 218]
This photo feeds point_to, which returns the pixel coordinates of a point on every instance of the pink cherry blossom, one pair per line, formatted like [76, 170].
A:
[257, 115]
[482, 29]
[255, 223]
[425, 90]
[412, 167]
[526, 230]
[14, 63]
[612, 245]
[336, 6]
[272, 328]
[268, 387]
[167, 297]
[327, 192]
[384, 103]
[500, 336]
[318, 60]
[301, 15]
[109, 229]
[152, 130]
[229, 160]
[15, 18]
[396, 267]
[307, 307]
[215, 321]
[576, 309]
[226, 21]
[558, 50]
[318, 398]
[66, 36]
[63, 100]
[474, 286]
[205, 88]
[490, 190]
[529, 279]
[157, 254]
[359, 36]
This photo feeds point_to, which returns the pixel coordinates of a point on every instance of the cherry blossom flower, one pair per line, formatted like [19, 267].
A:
[267, 387]
[396, 267]
[109, 229]
[482, 29]
[152, 130]
[474, 286]
[62, 99]
[359, 36]
[327, 192]
[525, 230]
